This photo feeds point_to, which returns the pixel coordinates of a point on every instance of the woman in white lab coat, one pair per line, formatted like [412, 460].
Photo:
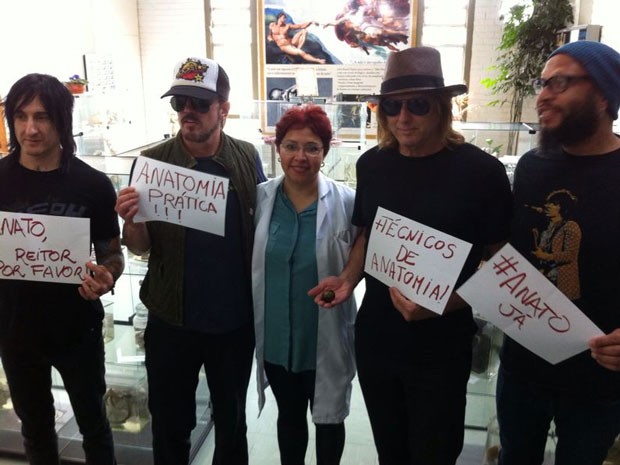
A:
[303, 233]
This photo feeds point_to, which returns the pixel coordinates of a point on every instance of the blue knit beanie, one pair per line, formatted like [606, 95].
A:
[602, 64]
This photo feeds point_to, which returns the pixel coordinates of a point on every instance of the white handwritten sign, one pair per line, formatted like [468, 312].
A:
[180, 196]
[421, 262]
[519, 300]
[43, 247]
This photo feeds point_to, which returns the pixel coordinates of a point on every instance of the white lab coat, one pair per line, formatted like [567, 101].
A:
[335, 358]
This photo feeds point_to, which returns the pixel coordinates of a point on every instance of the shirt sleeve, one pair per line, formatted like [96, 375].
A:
[260, 174]
[497, 205]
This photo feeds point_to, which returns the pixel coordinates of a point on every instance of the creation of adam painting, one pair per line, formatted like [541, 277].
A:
[346, 42]
[325, 32]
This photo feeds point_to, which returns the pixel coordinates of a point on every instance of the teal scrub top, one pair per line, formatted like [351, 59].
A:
[291, 316]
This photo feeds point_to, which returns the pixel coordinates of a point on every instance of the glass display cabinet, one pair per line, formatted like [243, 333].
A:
[348, 119]
[493, 138]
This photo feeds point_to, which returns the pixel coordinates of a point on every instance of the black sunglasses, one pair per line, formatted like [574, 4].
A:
[416, 106]
[178, 102]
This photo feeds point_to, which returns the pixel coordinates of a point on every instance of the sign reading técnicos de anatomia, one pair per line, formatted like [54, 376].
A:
[421, 262]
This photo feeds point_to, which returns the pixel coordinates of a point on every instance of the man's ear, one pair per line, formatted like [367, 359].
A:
[224, 109]
[601, 101]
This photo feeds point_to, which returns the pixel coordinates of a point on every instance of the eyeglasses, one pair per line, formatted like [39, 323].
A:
[416, 106]
[291, 148]
[178, 102]
[556, 84]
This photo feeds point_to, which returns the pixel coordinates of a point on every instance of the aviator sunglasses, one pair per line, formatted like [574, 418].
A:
[416, 106]
[178, 102]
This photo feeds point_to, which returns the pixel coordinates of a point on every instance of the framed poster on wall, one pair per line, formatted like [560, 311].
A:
[345, 41]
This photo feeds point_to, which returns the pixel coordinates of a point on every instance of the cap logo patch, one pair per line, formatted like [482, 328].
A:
[192, 70]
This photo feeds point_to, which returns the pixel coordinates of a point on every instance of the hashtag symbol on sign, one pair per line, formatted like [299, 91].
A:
[506, 264]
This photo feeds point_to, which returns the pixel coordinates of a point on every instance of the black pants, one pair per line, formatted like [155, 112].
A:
[585, 428]
[293, 392]
[83, 373]
[416, 410]
[174, 357]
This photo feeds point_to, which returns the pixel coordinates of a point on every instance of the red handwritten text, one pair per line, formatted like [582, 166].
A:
[393, 228]
[528, 302]
[421, 285]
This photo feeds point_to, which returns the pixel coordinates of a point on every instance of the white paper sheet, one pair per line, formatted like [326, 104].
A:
[421, 262]
[514, 296]
[181, 196]
[44, 247]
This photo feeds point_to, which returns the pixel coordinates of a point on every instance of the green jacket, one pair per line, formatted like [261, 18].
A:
[162, 289]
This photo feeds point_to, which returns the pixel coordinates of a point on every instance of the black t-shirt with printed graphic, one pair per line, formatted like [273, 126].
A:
[567, 223]
[44, 315]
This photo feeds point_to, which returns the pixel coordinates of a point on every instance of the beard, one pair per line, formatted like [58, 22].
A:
[202, 136]
[580, 123]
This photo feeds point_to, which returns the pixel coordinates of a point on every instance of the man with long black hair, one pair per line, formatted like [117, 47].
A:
[50, 324]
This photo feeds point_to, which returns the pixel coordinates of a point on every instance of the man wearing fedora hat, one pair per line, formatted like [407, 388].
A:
[579, 156]
[197, 288]
[414, 364]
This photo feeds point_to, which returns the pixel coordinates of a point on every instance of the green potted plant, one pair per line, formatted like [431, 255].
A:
[529, 35]
[76, 84]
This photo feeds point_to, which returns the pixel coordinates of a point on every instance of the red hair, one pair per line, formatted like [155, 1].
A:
[305, 116]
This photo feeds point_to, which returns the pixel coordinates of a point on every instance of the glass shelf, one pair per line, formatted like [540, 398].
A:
[126, 405]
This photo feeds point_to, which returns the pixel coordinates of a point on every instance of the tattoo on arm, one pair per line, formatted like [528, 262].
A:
[110, 255]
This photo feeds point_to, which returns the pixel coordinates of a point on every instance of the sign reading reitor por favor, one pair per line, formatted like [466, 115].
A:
[513, 295]
[44, 247]
[421, 262]
[179, 195]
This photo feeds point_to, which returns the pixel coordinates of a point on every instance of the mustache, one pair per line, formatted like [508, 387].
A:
[190, 116]
[546, 106]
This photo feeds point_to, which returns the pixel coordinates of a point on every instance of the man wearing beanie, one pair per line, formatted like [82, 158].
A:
[567, 223]
[197, 288]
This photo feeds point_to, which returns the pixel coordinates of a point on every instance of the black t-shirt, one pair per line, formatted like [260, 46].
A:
[463, 192]
[42, 314]
[216, 263]
[568, 207]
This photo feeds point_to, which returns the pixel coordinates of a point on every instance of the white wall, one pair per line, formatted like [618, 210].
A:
[147, 38]
[44, 37]
[52, 37]
[170, 30]
[486, 37]
[607, 13]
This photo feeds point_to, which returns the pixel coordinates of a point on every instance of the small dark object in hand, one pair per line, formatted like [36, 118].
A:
[328, 295]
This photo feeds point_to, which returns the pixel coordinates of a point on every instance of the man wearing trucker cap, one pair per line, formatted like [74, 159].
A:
[197, 287]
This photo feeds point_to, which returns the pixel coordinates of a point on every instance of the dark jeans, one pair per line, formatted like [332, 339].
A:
[416, 411]
[293, 392]
[174, 357]
[83, 374]
[585, 429]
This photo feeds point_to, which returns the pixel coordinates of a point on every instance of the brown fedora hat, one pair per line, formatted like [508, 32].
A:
[413, 70]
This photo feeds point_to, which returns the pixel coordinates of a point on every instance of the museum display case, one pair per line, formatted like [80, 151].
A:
[257, 122]
[126, 404]
[483, 377]
[106, 123]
